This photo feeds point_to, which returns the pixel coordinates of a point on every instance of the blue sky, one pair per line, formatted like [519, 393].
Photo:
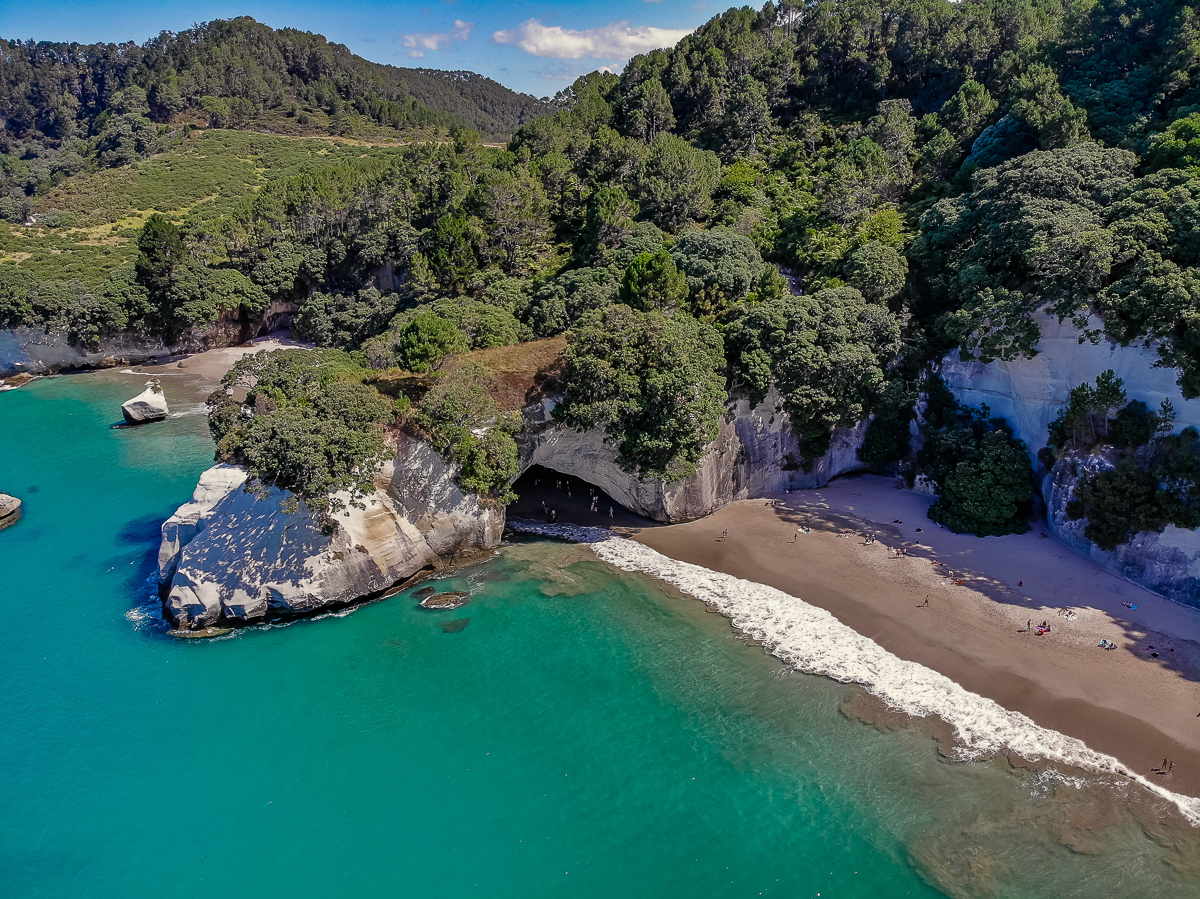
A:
[536, 47]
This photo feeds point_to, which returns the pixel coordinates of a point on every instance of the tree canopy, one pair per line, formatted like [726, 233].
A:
[654, 384]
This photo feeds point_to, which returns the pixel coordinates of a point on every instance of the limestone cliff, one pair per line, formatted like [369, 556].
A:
[31, 351]
[229, 558]
[755, 453]
[1030, 392]
[1167, 563]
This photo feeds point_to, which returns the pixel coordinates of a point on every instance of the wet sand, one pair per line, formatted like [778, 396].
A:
[1123, 702]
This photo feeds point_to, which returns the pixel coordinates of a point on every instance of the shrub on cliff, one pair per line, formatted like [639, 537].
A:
[1156, 476]
[827, 354]
[308, 425]
[654, 384]
[462, 421]
[982, 473]
[1130, 499]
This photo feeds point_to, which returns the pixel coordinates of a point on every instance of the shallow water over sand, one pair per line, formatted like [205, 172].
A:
[586, 732]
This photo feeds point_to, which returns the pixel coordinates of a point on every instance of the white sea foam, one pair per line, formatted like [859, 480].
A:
[814, 641]
[197, 409]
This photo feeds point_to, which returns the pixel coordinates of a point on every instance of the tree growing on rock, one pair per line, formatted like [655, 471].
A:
[654, 384]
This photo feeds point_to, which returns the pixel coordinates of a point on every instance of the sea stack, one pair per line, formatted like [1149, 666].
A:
[10, 509]
[149, 405]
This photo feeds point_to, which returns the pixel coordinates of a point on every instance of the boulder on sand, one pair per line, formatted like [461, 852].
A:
[149, 405]
[10, 509]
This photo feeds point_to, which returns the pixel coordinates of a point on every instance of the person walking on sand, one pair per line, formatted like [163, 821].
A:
[924, 604]
[1028, 626]
[1170, 767]
[610, 511]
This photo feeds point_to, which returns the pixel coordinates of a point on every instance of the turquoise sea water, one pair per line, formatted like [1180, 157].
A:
[586, 734]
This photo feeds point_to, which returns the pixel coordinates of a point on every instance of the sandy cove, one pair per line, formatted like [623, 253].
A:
[211, 365]
[1124, 702]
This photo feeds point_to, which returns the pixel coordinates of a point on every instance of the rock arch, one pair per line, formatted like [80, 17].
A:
[755, 453]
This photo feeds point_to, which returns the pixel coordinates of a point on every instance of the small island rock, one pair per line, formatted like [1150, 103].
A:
[10, 508]
[149, 405]
[454, 600]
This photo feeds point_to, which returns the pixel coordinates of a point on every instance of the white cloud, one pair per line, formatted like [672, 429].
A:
[620, 40]
[420, 41]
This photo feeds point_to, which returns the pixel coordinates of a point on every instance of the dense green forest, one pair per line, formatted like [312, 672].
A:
[819, 197]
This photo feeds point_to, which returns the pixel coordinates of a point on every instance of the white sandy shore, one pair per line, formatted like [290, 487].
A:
[212, 364]
[1123, 703]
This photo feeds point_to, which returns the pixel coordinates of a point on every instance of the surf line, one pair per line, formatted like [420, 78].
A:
[813, 641]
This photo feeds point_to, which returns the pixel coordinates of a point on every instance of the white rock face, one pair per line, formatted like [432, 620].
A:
[214, 485]
[9, 507]
[755, 453]
[450, 522]
[149, 405]
[1030, 392]
[1167, 563]
[228, 558]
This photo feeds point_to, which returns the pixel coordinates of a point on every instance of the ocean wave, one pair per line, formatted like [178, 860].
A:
[812, 640]
[197, 409]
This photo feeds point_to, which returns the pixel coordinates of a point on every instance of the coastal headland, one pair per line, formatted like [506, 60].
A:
[1138, 703]
[963, 606]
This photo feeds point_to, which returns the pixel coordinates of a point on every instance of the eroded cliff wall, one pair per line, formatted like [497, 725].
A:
[1167, 563]
[31, 351]
[755, 453]
[230, 558]
[1030, 392]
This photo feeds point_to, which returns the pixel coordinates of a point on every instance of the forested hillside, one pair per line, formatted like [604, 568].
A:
[817, 197]
[64, 107]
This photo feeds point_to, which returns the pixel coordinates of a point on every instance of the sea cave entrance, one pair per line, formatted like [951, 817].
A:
[571, 497]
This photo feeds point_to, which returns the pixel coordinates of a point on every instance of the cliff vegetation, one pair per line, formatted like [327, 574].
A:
[822, 198]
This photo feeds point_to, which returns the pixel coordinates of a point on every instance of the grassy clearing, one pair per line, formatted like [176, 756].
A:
[202, 179]
[522, 374]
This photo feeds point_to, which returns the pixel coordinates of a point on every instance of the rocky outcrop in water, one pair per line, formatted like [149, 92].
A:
[10, 509]
[756, 453]
[1167, 563]
[441, 601]
[227, 558]
[149, 405]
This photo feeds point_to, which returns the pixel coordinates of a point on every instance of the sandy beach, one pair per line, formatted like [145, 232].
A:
[1138, 703]
[211, 365]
